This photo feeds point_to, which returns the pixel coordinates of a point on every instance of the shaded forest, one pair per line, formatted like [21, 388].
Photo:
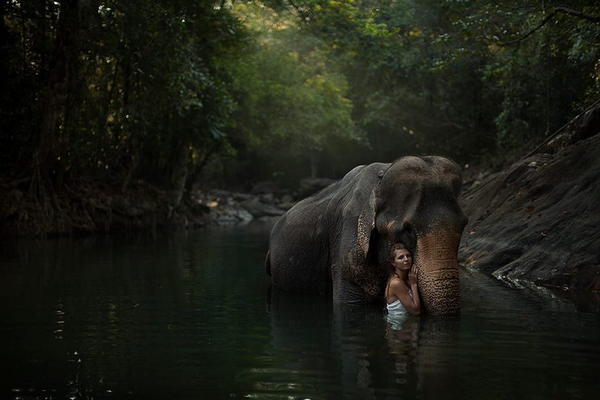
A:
[110, 94]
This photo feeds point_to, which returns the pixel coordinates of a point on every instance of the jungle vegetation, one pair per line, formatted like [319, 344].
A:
[224, 92]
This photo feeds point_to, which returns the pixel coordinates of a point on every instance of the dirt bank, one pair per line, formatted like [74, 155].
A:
[93, 206]
[83, 206]
[537, 223]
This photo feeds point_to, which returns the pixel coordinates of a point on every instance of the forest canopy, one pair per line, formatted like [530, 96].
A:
[223, 93]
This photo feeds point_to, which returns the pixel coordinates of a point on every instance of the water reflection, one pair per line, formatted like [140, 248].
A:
[353, 330]
[339, 347]
[343, 345]
[300, 333]
[188, 316]
[402, 336]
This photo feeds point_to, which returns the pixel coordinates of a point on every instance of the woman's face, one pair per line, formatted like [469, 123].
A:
[402, 259]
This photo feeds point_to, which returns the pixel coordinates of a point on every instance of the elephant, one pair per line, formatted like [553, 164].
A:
[338, 241]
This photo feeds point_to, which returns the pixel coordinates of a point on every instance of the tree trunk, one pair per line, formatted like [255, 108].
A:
[196, 170]
[135, 145]
[55, 94]
[179, 177]
[109, 91]
[133, 164]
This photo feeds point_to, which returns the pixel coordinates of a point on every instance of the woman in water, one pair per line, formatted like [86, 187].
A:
[401, 292]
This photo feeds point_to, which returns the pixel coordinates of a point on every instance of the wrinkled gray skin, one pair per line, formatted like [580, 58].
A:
[339, 239]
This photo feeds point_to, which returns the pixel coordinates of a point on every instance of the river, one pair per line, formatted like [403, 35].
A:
[192, 316]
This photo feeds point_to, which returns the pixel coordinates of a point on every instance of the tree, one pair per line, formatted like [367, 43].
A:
[122, 89]
[291, 98]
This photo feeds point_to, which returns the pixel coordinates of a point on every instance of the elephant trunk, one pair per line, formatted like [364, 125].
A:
[437, 261]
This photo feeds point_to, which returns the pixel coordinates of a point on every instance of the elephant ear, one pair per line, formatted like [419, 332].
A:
[366, 222]
[358, 264]
[364, 228]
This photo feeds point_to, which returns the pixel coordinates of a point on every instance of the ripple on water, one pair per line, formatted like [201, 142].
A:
[190, 317]
[279, 382]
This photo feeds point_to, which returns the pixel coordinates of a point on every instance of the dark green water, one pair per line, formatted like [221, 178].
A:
[192, 317]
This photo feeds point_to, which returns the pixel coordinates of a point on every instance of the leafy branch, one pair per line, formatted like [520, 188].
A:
[556, 11]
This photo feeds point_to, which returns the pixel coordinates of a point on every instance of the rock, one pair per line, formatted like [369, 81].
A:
[537, 221]
[220, 194]
[267, 198]
[242, 196]
[197, 206]
[310, 186]
[243, 215]
[259, 209]
[264, 187]
[228, 215]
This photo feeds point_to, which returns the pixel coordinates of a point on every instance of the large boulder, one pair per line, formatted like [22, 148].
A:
[259, 209]
[309, 186]
[536, 222]
[264, 187]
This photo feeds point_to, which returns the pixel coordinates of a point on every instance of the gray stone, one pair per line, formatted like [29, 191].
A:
[242, 196]
[536, 222]
[243, 215]
[220, 194]
[259, 209]
[310, 186]
[264, 187]
[267, 198]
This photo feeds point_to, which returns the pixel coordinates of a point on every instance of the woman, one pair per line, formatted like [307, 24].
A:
[401, 292]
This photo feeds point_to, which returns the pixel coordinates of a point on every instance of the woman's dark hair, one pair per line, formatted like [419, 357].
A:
[397, 246]
[393, 248]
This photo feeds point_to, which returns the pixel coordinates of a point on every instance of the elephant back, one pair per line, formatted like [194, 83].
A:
[306, 240]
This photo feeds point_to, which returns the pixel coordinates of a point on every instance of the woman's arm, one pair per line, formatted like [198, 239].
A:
[414, 288]
[401, 292]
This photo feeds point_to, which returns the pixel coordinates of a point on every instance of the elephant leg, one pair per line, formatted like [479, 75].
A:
[345, 291]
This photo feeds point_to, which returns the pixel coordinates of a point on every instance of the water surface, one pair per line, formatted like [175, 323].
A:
[192, 316]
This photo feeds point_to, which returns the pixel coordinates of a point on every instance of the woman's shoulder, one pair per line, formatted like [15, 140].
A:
[396, 284]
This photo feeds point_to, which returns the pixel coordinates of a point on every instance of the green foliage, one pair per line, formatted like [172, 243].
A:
[291, 99]
[458, 77]
[155, 89]
[144, 81]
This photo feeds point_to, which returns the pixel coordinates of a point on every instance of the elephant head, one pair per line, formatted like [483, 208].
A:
[414, 202]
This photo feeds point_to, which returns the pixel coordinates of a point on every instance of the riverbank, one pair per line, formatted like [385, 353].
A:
[534, 224]
[90, 206]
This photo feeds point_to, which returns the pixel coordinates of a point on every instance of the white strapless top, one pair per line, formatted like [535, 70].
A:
[396, 315]
[396, 308]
